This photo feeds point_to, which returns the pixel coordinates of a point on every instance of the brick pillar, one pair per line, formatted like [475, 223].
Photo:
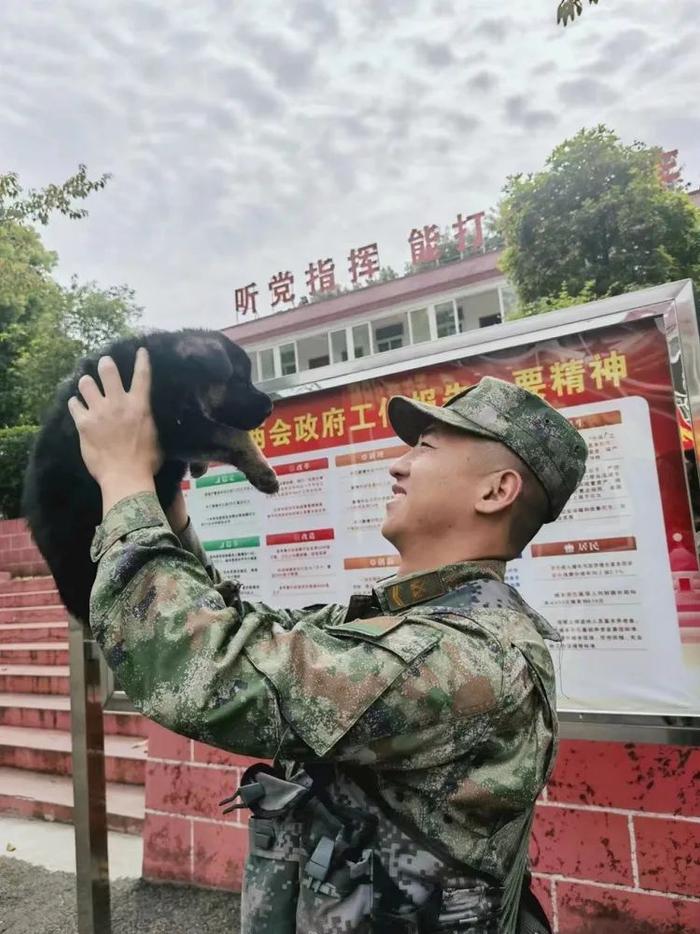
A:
[185, 837]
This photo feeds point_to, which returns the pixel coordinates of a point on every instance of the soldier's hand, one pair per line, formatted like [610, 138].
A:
[118, 437]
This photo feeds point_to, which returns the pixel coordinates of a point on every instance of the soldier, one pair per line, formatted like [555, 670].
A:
[412, 730]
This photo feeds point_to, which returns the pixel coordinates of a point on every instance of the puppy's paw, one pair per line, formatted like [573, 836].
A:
[264, 479]
[230, 590]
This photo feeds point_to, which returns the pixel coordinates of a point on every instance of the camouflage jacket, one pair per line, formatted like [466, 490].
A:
[439, 687]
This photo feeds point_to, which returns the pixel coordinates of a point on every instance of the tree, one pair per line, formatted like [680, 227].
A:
[38, 205]
[27, 292]
[44, 327]
[85, 319]
[597, 219]
[570, 9]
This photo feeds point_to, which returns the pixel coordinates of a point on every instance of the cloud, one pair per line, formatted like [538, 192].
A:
[585, 92]
[518, 113]
[317, 19]
[291, 63]
[244, 139]
[493, 28]
[464, 123]
[434, 54]
[242, 85]
[544, 68]
[482, 80]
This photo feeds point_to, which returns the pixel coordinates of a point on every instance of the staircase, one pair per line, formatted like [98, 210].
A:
[35, 740]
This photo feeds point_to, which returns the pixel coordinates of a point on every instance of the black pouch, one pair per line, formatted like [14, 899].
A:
[531, 916]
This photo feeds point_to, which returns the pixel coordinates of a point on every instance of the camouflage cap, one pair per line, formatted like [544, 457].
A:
[546, 441]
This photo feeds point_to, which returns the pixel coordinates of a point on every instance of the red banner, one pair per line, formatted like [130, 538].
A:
[602, 365]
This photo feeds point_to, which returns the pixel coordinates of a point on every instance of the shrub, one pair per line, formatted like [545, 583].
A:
[15, 447]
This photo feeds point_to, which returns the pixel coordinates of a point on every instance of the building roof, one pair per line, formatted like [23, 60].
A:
[369, 299]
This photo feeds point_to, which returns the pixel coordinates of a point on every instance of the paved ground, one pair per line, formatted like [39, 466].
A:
[37, 888]
[38, 901]
[52, 846]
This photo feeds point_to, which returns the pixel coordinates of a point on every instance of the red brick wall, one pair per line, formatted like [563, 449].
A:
[18, 553]
[616, 843]
[615, 847]
[185, 838]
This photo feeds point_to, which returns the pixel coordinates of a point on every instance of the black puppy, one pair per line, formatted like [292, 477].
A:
[203, 403]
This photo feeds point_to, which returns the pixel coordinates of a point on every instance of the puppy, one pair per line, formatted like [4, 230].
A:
[204, 404]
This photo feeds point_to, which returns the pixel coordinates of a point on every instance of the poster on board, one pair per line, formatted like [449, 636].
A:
[616, 574]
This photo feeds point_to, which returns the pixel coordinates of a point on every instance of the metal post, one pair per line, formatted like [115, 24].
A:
[89, 789]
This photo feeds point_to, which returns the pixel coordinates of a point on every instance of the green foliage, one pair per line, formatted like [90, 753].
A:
[37, 206]
[555, 302]
[27, 292]
[598, 220]
[570, 9]
[87, 318]
[15, 446]
[387, 273]
[44, 327]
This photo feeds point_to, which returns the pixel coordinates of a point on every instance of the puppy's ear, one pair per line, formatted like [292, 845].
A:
[205, 356]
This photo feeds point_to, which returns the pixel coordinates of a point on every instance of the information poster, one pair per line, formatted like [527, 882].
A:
[616, 574]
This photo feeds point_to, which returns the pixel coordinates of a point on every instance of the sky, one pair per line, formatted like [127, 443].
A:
[248, 139]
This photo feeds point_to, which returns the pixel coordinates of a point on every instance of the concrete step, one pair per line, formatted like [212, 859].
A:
[50, 797]
[50, 751]
[44, 712]
[30, 598]
[48, 613]
[34, 679]
[9, 584]
[34, 653]
[34, 632]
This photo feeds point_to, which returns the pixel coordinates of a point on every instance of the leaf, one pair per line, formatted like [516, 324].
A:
[570, 9]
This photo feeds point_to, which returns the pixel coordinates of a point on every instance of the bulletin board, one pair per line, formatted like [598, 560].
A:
[617, 574]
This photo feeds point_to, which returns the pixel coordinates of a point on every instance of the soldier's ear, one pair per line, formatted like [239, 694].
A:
[205, 357]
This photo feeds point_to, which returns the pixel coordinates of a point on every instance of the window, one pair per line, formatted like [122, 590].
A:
[312, 352]
[288, 359]
[488, 320]
[316, 362]
[472, 308]
[361, 340]
[339, 346]
[420, 325]
[445, 319]
[389, 337]
[267, 364]
[253, 366]
[390, 332]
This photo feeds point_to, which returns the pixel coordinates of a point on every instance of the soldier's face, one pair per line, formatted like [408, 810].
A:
[435, 486]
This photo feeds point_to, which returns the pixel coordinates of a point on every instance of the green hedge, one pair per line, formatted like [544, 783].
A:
[15, 445]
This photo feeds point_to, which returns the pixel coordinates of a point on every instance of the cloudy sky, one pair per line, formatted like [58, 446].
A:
[249, 138]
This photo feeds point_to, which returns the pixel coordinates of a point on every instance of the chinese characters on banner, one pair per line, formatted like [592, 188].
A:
[312, 427]
[363, 264]
[616, 574]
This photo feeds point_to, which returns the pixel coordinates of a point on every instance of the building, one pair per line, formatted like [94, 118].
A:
[414, 309]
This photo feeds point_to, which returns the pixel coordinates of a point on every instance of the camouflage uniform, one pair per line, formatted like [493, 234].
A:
[424, 714]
